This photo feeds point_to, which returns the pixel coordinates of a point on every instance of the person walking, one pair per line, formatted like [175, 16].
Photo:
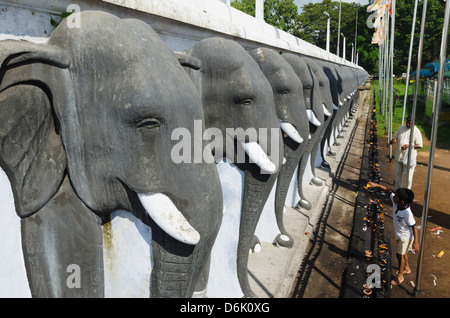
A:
[401, 137]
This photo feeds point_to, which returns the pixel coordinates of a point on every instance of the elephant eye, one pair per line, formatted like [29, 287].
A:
[284, 91]
[246, 102]
[148, 123]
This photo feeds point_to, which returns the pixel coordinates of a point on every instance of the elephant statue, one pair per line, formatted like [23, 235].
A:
[327, 102]
[332, 80]
[291, 112]
[314, 110]
[85, 130]
[237, 96]
[337, 73]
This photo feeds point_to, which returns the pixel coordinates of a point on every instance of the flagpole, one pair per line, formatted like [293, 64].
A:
[391, 74]
[434, 128]
[409, 62]
[416, 87]
[339, 28]
[386, 70]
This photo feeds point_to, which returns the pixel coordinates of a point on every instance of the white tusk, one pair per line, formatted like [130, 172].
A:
[325, 111]
[164, 212]
[258, 156]
[312, 118]
[290, 130]
[335, 107]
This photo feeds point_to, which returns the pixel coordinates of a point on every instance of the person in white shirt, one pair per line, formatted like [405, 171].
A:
[401, 137]
[406, 232]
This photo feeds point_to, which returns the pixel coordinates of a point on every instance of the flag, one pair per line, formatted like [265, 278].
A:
[376, 19]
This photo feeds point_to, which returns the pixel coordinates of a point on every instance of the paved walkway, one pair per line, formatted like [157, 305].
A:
[322, 234]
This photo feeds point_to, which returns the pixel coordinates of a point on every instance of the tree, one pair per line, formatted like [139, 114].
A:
[282, 14]
[311, 26]
[432, 35]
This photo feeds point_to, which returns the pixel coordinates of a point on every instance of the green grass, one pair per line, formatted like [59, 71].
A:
[423, 117]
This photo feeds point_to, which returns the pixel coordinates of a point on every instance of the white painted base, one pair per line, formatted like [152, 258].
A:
[13, 277]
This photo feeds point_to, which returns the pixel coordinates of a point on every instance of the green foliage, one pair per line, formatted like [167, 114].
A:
[311, 26]
[281, 14]
[422, 122]
[63, 15]
[432, 35]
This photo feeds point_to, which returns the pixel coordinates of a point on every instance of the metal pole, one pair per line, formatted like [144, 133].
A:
[391, 74]
[259, 9]
[351, 59]
[356, 32]
[328, 30]
[380, 74]
[409, 62]
[339, 28]
[343, 47]
[419, 61]
[386, 70]
[328, 35]
[434, 129]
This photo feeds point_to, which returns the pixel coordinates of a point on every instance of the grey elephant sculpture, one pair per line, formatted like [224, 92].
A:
[236, 95]
[314, 109]
[347, 93]
[86, 130]
[327, 103]
[336, 71]
[290, 107]
[333, 82]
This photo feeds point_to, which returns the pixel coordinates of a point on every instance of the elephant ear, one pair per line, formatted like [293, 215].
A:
[31, 152]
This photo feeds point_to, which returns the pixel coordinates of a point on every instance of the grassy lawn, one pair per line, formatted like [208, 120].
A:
[423, 114]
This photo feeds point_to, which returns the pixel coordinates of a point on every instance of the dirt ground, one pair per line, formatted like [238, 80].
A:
[322, 272]
[435, 279]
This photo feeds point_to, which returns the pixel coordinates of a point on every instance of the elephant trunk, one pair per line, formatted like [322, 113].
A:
[257, 187]
[292, 153]
[183, 228]
[172, 272]
[303, 163]
[256, 191]
[180, 269]
[317, 147]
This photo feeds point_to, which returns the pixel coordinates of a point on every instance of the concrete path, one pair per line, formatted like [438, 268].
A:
[314, 266]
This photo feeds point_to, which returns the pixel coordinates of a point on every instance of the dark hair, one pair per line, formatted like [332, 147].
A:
[405, 194]
[408, 118]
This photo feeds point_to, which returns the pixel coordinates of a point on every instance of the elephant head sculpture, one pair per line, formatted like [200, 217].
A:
[332, 80]
[85, 129]
[290, 107]
[346, 99]
[327, 103]
[314, 109]
[236, 95]
[334, 72]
